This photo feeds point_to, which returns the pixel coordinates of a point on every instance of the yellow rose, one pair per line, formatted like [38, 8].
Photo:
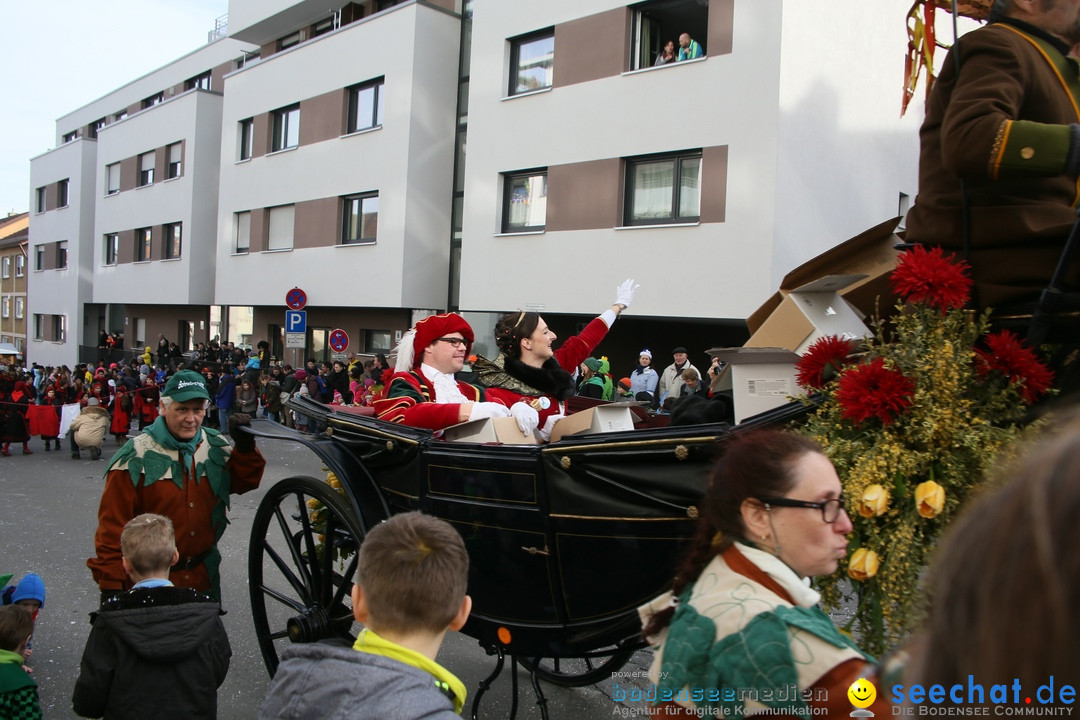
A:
[314, 503]
[332, 479]
[874, 501]
[863, 564]
[929, 499]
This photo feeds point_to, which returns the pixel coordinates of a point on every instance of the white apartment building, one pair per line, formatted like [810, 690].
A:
[393, 157]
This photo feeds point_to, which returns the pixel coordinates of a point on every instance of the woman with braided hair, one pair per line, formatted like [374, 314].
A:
[741, 630]
[529, 375]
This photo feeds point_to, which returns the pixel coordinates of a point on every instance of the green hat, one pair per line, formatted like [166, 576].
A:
[186, 385]
[593, 364]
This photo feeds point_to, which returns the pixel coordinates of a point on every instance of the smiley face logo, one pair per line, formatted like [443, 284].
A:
[862, 693]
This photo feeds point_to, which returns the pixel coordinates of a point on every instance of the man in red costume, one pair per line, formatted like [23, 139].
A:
[423, 391]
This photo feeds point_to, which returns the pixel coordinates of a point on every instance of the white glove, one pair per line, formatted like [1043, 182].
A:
[527, 418]
[549, 425]
[625, 292]
[483, 410]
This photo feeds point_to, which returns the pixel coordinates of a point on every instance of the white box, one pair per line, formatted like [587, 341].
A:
[612, 417]
[503, 430]
[760, 378]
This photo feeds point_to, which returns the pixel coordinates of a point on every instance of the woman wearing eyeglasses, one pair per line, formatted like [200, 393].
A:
[529, 375]
[741, 629]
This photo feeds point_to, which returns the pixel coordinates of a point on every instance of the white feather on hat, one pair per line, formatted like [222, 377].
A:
[405, 353]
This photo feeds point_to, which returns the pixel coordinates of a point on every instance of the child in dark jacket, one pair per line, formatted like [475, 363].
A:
[155, 651]
[18, 691]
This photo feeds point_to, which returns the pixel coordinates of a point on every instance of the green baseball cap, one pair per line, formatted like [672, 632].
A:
[186, 385]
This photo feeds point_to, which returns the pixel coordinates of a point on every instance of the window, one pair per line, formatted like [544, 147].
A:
[5, 267]
[247, 138]
[112, 179]
[173, 154]
[286, 127]
[280, 236]
[112, 248]
[365, 106]
[52, 328]
[68, 137]
[39, 201]
[143, 238]
[322, 27]
[62, 193]
[120, 116]
[531, 61]
[153, 100]
[525, 201]
[39, 257]
[95, 128]
[246, 59]
[146, 169]
[20, 308]
[656, 23]
[202, 82]
[243, 232]
[288, 41]
[61, 255]
[173, 233]
[663, 189]
[360, 219]
[5, 307]
[20, 266]
[379, 340]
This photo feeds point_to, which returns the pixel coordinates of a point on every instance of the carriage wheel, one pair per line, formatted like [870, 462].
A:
[302, 560]
[595, 666]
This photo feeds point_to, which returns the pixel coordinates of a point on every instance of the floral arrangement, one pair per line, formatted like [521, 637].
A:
[912, 419]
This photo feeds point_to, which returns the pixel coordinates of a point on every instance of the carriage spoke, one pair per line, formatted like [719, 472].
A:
[294, 550]
[298, 584]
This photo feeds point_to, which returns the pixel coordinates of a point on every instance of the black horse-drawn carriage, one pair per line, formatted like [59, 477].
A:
[565, 540]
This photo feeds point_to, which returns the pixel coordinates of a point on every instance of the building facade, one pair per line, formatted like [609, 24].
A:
[14, 231]
[392, 159]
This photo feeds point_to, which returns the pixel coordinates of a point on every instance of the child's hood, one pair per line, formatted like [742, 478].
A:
[166, 633]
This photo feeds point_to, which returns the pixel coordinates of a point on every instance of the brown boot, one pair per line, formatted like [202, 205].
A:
[26, 449]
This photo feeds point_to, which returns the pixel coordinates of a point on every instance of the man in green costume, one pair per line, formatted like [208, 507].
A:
[184, 471]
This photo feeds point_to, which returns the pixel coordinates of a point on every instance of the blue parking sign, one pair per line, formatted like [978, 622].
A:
[296, 321]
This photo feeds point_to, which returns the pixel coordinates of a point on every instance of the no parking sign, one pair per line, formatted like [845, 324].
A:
[339, 340]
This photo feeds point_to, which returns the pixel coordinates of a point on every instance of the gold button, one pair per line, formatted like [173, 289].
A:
[1027, 153]
[192, 533]
[191, 504]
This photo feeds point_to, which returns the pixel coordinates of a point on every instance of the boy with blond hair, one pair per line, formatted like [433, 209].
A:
[155, 650]
[410, 587]
[18, 691]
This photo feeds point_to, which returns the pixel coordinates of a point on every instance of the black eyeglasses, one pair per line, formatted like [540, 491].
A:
[455, 342]
[830, 509]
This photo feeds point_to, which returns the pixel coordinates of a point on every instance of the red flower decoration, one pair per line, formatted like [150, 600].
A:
[927, 275]
[1005, 353]
[823, 360]
[873, 390]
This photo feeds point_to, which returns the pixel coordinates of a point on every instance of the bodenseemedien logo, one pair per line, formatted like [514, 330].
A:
[973, 698]
[862, 694]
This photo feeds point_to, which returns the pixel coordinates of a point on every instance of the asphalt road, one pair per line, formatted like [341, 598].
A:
[48, 518]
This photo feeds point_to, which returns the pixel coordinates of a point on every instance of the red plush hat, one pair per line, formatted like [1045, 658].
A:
[410, 352]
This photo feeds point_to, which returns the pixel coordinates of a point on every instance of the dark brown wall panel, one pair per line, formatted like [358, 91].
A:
[129, 173]
[125, 251]
[217, 76]
[714, 172]
[316, 223]
[721, 27]
[50, 256]
[584, 196]
[52, 195]
[322, 117]
[160, 164]
[260, 134]
[591, 47]
[259, 220]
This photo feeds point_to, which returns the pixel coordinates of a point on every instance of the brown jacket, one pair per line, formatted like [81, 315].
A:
[1002, 123]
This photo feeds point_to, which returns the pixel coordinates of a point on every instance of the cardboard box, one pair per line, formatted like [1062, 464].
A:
[490, 430]
[760, 378]
[613, 417]
[830, 294]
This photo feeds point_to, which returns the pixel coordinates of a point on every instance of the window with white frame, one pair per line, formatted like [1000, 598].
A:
[202, 82]
[39, 257]
[71, 136]
[532, 61]
[247, 138]
[173, 239]
[656, 23]
[5, 307]
[360, 219]
[280, 230]
[20, 308]
[663, 188]
[286, 128]
[39, 200]
[525, 201]
[120, 116]
[111, 251]
[51, 328]
[112, 179]
[290, 40]
[155, 99]
[20, 266]
[95, 127]
[143, 239]
[61, 255]
[62, 193]
[242, 241]
[146, 169]
[365, 106]
[5, 267]
[174, 157]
